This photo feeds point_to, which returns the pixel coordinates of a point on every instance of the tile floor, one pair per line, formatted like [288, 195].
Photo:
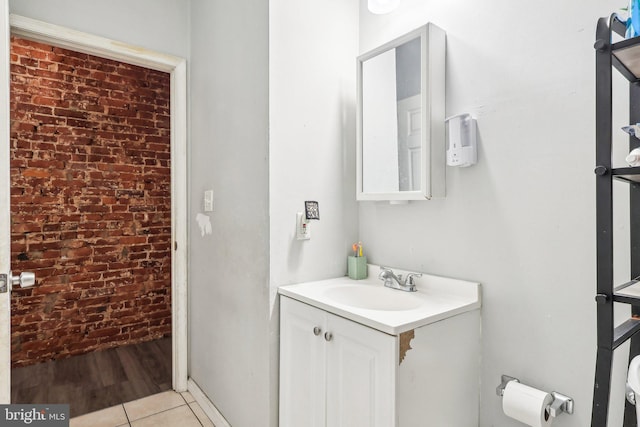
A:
[167, 409]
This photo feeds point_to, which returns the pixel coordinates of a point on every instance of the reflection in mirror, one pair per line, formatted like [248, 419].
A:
[401, 118]
[391, 120]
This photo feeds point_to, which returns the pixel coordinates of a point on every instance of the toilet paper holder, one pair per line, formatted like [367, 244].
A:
[560, 403]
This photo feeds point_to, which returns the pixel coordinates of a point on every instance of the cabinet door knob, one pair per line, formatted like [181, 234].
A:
[316, 331]
[328, 336]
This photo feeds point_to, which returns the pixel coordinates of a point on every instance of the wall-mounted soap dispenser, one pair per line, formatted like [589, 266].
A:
[461, 140]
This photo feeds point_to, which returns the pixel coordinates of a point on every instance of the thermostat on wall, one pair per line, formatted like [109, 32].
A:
[461, 140]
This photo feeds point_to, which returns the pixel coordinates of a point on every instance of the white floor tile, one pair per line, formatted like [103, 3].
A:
[206, 422]
[181, 416]
[188, 397]
[110, 417]
[153, 404]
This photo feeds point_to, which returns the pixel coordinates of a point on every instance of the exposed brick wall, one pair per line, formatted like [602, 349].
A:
[90, 202]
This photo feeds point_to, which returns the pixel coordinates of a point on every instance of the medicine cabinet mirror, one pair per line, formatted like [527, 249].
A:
[401, 108]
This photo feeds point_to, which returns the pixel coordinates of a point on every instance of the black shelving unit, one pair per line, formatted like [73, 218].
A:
[624, 56]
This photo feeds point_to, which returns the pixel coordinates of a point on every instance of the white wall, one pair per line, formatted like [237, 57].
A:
[228, 276]
[521, 222]
[312, 70]
[161, 25]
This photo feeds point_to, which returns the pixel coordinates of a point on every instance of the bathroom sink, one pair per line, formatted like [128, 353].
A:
[374, 297]
[391, 311]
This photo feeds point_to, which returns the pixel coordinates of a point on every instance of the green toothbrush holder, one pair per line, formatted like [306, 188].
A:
[357, 267]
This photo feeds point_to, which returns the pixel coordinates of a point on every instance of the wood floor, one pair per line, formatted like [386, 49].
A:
[96, 380]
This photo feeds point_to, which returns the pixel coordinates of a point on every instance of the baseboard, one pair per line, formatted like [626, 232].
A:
[207, 406]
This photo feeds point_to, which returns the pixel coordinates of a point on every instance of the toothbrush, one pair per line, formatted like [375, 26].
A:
[360, 249]
[354, 247]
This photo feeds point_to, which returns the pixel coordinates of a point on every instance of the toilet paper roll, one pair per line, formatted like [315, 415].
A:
[527, 404]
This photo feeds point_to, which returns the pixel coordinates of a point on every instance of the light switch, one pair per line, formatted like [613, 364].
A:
[208, 201]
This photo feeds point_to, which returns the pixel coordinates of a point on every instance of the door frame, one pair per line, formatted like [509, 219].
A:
[94, 45]
[5, 219]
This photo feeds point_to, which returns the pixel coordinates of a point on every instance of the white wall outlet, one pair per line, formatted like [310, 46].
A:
[208, 201]
[303, 230]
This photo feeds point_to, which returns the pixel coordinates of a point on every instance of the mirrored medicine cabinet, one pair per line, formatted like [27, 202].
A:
[400, 118]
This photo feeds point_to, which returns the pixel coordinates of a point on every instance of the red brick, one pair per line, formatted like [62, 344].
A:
[90, 202]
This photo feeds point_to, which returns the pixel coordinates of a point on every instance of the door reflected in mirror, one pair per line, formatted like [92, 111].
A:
[401, 118]
[391, 120]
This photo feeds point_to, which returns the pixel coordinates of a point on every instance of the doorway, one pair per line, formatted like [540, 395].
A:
[65, 38]
[90, 216]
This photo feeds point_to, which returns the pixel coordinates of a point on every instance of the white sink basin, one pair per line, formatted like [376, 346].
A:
[374, 297]
[389, 310]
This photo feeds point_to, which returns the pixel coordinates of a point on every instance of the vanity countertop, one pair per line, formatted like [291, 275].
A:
[389, 310]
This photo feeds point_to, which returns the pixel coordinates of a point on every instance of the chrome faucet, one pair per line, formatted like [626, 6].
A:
[397, 282]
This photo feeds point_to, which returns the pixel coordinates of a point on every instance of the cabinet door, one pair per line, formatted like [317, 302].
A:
[361, 375]
[302, 365]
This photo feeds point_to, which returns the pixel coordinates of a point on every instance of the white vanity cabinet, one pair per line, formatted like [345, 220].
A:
[357, 354]
[334, 372]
